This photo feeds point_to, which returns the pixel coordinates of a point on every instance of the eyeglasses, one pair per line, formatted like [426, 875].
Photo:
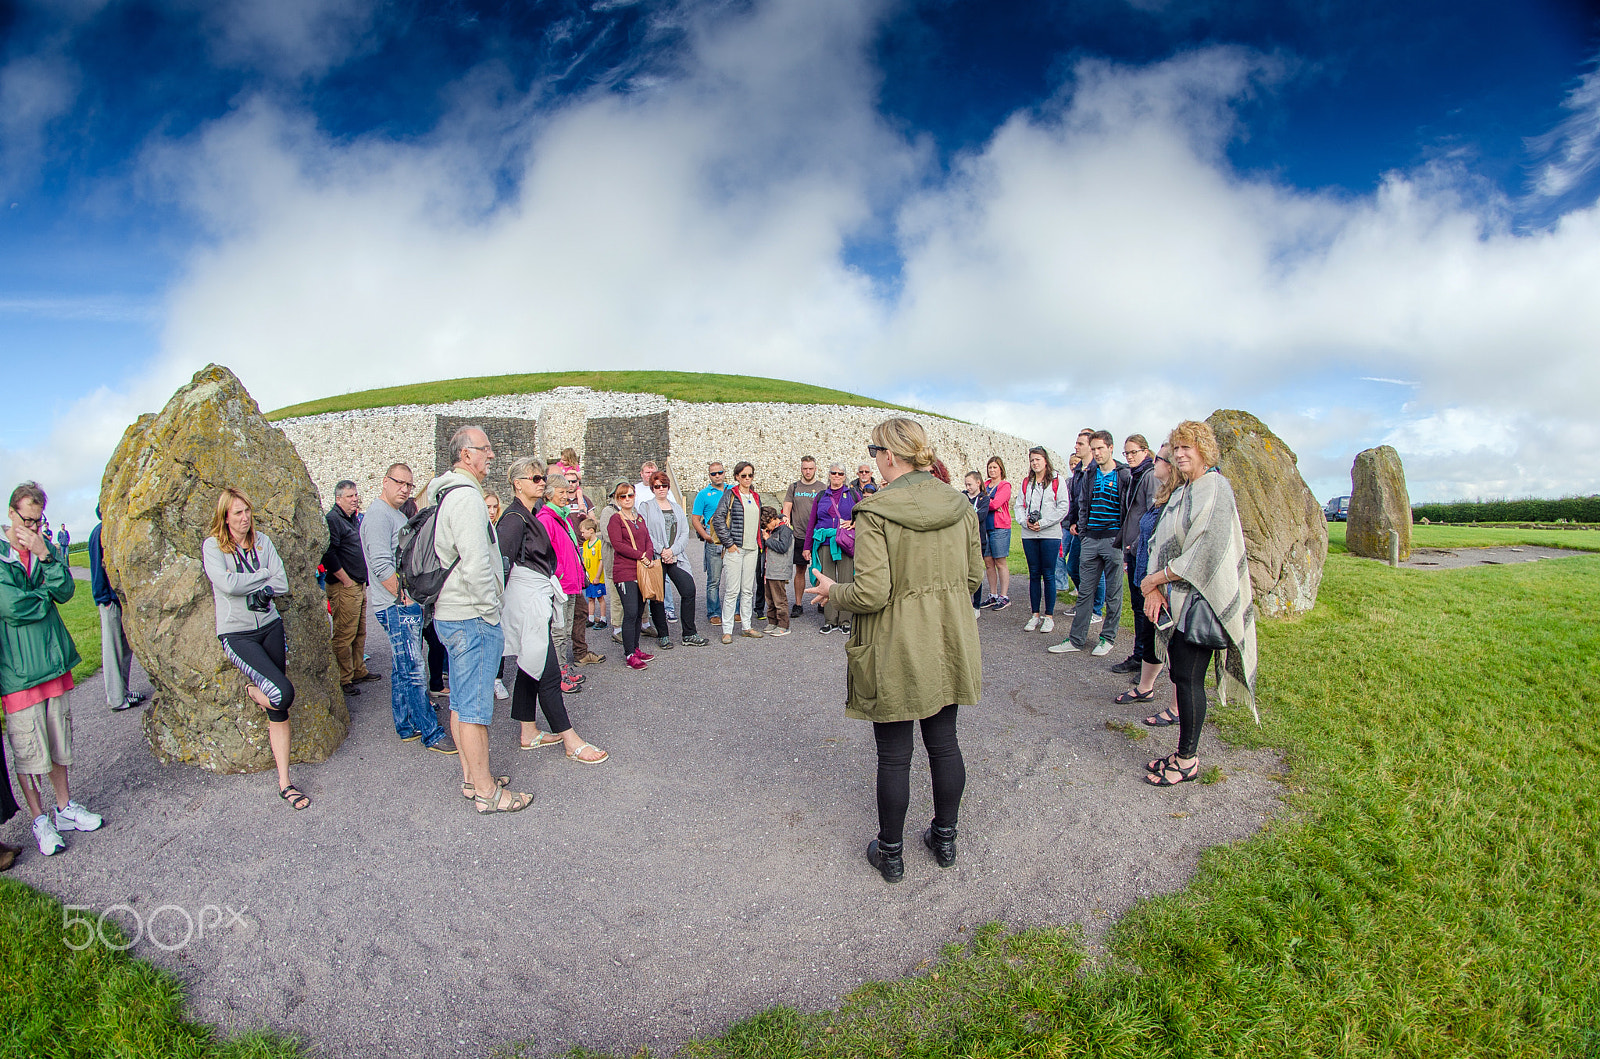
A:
[535, 478]
[873, 450]
[488, 449]
[407, 486]
[746, 474]
[1133, 452]
[31, 523]
[835, 474]
[1164, 460]
[624, 496]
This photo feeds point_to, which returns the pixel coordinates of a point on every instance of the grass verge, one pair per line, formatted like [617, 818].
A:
[1481, 537]
[82, 618]
[675, 385]
[95, 1002]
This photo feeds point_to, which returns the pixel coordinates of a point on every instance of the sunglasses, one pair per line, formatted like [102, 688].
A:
[660, 487]
[534, 478]
[624, 496]
[873, 450]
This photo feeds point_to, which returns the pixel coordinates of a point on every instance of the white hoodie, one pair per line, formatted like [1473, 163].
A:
[1051, 501]
[474, 588]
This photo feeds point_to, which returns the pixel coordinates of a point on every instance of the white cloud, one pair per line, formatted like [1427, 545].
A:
[34, 91]
[1570, 152]
[1097, 261]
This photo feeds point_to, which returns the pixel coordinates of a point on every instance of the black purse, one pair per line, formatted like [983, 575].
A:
[1199, 624]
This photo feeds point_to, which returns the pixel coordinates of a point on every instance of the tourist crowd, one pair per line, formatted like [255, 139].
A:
[479, 585]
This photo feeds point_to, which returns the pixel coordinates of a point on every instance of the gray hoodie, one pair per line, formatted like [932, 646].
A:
[462, 530]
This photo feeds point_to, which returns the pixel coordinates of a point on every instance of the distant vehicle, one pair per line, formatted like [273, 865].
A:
[1337, 509]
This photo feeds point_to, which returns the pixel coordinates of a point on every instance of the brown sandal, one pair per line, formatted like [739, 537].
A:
[466, 788]
[491, 804]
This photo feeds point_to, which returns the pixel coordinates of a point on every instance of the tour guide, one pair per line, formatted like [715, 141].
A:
[913, 648]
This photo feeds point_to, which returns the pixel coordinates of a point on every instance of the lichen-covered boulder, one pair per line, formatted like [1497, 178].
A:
[157, 500]
[1285, 532]
[1378, 503]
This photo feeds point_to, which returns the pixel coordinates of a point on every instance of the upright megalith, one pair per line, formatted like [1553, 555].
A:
[157, 499]
[1285, 533]
[1378, 503]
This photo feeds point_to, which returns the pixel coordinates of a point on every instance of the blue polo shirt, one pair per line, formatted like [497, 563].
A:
[706, 501]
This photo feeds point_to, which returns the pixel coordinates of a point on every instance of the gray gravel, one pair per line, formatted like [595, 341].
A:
[1457, 558]
[712, 868]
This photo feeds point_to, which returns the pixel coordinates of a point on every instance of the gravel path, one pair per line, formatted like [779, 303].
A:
[712, 868]
[1457, 558]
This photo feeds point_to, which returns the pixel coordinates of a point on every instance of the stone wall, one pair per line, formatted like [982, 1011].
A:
[614, 433]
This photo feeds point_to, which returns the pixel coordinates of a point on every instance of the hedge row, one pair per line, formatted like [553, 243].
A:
[1530, 509]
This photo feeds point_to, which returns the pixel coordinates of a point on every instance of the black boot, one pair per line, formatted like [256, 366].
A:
[885, 856]
[942, 841]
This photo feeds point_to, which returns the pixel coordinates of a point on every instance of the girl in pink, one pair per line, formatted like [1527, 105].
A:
[998, 551]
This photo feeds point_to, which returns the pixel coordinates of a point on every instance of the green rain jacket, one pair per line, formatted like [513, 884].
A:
[913, 647]
[34, 643]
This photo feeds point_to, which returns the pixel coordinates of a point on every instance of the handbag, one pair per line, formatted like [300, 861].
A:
[847, 540]
[1199, 624]
[649, 571]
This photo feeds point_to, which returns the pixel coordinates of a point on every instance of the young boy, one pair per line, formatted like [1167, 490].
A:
[595, 590]
[780, 570]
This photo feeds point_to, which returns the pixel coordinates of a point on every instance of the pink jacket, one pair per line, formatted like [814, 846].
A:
[1000, 504]
[569, 564]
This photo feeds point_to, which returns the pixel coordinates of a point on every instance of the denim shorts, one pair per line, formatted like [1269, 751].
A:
[474, 647]
[999, 543]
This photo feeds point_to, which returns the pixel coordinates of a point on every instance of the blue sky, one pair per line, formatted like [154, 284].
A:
[1365, 222]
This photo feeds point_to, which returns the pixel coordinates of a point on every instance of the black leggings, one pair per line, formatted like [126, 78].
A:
[683, 581]
[545, 692]
[1187, 665]
[262, 655]
[1144, 630]
[633, 611]
[895, 744]
[438, 659]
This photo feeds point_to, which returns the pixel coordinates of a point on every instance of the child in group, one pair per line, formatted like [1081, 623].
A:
[779, 557]
[595, 589]
[980, 504]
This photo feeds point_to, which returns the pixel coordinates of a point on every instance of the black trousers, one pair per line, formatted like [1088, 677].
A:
[438, 658]
[262, 655]
[682, 580]
[633, 612]
[1144, 630]
[895, 745]
[544, 693]
[1187, 665]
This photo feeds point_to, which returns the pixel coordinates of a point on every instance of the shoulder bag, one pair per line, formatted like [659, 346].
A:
[649, 571]
[1199, 624]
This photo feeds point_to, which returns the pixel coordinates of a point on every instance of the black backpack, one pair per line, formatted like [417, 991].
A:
[422, 576]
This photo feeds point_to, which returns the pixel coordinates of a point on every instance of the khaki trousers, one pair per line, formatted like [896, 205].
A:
[349, 605]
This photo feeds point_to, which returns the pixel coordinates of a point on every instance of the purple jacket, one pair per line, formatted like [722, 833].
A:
[833, 506]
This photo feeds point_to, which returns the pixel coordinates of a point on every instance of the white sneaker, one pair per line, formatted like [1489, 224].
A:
[50, 840]
[76, 818]
[1047, 624]
[1097, 619]
[1033, 623]
[500, 691]
[1102, 648]
[779, 631]
[1063, 648]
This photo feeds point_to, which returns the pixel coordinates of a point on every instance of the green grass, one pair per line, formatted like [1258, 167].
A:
[83, 622]
[1430, 888]
[675, 385]
[95, 1002]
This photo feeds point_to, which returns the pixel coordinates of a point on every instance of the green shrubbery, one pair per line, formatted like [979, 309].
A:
[1529, 509]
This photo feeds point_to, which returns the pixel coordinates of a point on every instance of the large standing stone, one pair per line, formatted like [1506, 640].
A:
[1285, 533]
[1378, 503]
[158, 497]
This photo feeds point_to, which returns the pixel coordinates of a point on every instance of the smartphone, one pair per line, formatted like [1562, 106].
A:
[1164, 619]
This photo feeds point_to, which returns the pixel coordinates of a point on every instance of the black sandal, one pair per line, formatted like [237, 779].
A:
[1159, 763]
[1165, 719]
[1135, 695]
[294, 797]
[1172, 768]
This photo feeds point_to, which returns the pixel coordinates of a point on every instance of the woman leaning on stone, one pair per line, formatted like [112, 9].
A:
[913, 649]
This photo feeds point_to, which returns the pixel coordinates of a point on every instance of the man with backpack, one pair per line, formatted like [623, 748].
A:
[466, 610]
[400, 616]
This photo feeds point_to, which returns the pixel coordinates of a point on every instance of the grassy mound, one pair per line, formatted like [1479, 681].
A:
[674, 385]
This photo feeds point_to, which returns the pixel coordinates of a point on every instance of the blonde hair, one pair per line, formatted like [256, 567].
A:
[1200, 437]
[519, 468]
[906, 439]
[219, 521]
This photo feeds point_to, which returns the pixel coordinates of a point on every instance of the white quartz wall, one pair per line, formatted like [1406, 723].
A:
[361, 445]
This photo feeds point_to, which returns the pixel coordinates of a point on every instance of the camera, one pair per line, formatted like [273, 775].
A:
[259, 601]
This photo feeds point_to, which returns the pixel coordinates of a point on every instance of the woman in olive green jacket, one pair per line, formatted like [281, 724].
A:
[913, 648]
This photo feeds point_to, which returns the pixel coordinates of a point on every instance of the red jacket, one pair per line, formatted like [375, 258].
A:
[625, 551]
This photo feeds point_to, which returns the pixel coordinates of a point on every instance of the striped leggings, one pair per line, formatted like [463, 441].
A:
[262, 655]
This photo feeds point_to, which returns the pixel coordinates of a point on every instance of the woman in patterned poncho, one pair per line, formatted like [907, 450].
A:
[1198, 547]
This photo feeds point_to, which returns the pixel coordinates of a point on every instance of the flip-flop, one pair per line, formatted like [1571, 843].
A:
[545, 739]
[1165, 719]
[1135, 695]
[573, 754]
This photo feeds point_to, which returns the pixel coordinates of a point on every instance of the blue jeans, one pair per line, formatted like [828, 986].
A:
[408, 675]
[475, 647]
[1074, 550]
[1041, 555]
[713, 565]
